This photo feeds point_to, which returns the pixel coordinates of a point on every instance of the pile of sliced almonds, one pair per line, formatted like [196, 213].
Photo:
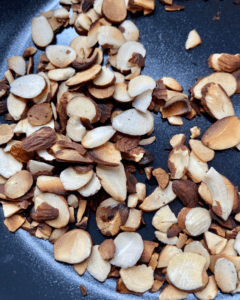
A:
[70, 150]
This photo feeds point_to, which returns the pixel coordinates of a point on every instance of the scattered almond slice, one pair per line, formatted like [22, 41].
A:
[134, 220]
[107, 249]
[17, 64]
[81, 267]
[166, 255]
[193, 40]
[214, 242]
[210, 291]
[75, 129]
[105, 78]
[175, 120]
[110, 36]
[195, 170]
[162, 237]
[163, 215]
[129, 31]
[97, 137]
[142, 101]
[91, 188]
[72, 181]
[172, 84]
[178, 161]
[178, 139]
[170, 292]
[42, 33]
[6, 133]
[224, 62]
[10, 209]
[202, 152]
[140, 84]
[114, 11]
[61, 74]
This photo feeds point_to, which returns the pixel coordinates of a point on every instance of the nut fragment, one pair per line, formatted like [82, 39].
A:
[162, 177]
[193, 40]
[45, 212]
[6, 133]
[40, 114]
[178, 161]
[107, 249]
[202, 152]
[187, 192]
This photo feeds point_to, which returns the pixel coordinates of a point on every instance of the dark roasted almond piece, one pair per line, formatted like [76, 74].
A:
[106, 111]
[72, 145]
[187, 192]
[174, 7]
[40, 114]
[124, 142]
[20, 154]
[82, 169]
[45, 212]
[229, 223]
[107, 249]
[173, 231]
[3, 107]
[85, 63]
[69, 155]
[176, 106]
[137, 59]
[162, 177]
[229, 63]
[83, 289]
[135, 154]
[147, 158]
[131, 182]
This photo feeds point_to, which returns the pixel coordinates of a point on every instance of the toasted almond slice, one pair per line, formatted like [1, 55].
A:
[107, 249]
[97, 266]
[17, 64]
[97, 137]
[172, 84]
[35, 166]
[226, 275]
[75, 129]
[6, 133]
[142, 101]
[195, 171]
[114, 11]
[186, 271]
[178, 139]
[214, 242]
[223, 134]
[175, 120]
[133, 122]
[140, 84]
[204, 165]
[193, 40]
[141, 191]
[178, 161]
[202, 152]
[79, 44]
[50, 184]
[55, 24]
[42, 33]
[224, 62]
[58, 202]
[91, 188]
[210, 291]
[138, 278]
[158, 198]
[225, 80]
[198, 221]
[81, 267]
[57, 233]
[134, 220]
[148, 141]
[197, 247]
[10, 209]
[92, 36]
[72, 201]
[166, 255]
[129, 31]
[213, 62]
[46, 93]
[69, 155]
[129, 248]
[14, 222]
[121, 93]
[61, 74]
[162, 237]
[113, 180]
[125, 54]
[29, 51]
[170, 292]
[73, 247]
[109, 36]
[28, 86]
[40, 114]
[105, 78]
[61, 56]
[101, 94]
[163, 215]
[9, 165]
[61, 13]
[195, 131]
[82, 23]
[83, 107]
[73, 181]
[175, 106]
[84, 76]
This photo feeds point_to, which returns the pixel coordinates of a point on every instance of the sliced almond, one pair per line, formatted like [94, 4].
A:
[84, 76]
[140, 84]
[162, 237]
[109, 36]
[170, 292]
[75, 129]
[10, 209]
[178, 139]
[101, 93]
[197, 247]
[195, 170]
[198, 221]
[172, 84]
[29, 51]
[105, 78]
[40, 114]
[121, 93]
[114, 11]
[42, 33]
[69, 155]
[9, 165]
[6, 133]
[107, 249]
[193, 40]
[202, 152]
[229, 249]
[163, 215]
[73, 247]
[61, 13]
[81, 267]
[91, 188]
[175, 120]
[61, 74]
[17, 64]
[134, 220]
[129, 31]
[14, 222]
[178, 161]
[97, 137]
[214, 242]
[71, 180]
[141, 191]
[35, 166]
[60, 56]
[167, 254]
[142, 101]
[226, 275]
[176, 106]
[210, 291]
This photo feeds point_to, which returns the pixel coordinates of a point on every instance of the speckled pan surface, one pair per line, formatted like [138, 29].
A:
[27, 267]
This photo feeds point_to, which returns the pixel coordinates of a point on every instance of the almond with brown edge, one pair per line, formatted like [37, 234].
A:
[91, 188]
[81, 267]
[172, 84]
[114, 11]
[178, 139]
[42, 33]
[101, 93]
[170, 292]
[148, 248]
[75, 130]
[105, 79]
[50, 184]
[44, 212]
[72, 181]
[162, 177]
[107, 155]
[68, 155]
[121, 93]
[134, 220]
[17, 64]
[6, 133]
[66, 248]
[109, 36]
[176, 106]
[178, 161]
[129, 30]
[193, 40]
[84, 76]
[210, 291]
[224, 62]
[197, 247]
[164, 218]
[40, 114]
[13, 223]
[202, 152]
[187, 192]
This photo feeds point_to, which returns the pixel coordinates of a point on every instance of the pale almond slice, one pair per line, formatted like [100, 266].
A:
[237, 243]
[133, 122]
[17, 64]
[10, 209]
[162, 237]
[172, 84]
[114, 11]
[163, 215]
[82, 23]
[42, 33]
[6, 133]
[229, 249]
[46, 93]
[109, 36]
[35, 166]
[92, 14]
[178, 139]
[143, 100]
[60, 56]
[226, 80]
[193, 40]
[202, 152]
[140, 84]
[45, 155]
[214, 242]
[225, 275]
[213, 62]
[132, 200]
[148, 141]
[105, 78]
[83, 107]
[195, 171]
[9, 165]
[61, 74]
[97, 266]
[222, 204]
[197, 221]
[197, 247]
[141, 191]
[9, 76]
[186, 271]
[75, 129]
[166, 255]
[73, 181]
[84, 76]
[121, 93]
[91, 188]
[98, 6]
[223, 134]
[14, 222]
[129, 31]
[134, 220]
[125, 54]
[175, 120]
[18, 185]
[81, 267]
[79, 44]
[73, 247]
[175, 106]
[158, 198]
[97, 137]
[61, 13]
[113, 180]
[178, 161]
[58, 202]
[138, 279]
[28, 86]
[170, 292]
[210, 291]
[73, 18]
[129, 248]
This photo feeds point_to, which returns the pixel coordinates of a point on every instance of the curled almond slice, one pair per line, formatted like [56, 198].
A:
[73, 247]
[186, 271]
[105, 78]
[42, 33]
[91, 188]
[138, 279]
[28, 86]
[84, 76]
[140, 84]
[114, 11]
[109, 36]
[72, 181]
[177, 105]
[210, 291]
[61, 74]
[17, 64]
[193, 40]
[178, 161]
[129, 31]
[197, 247]
[6, 133]
[133, 122]
[129, 248]
[121, 93]
[9, 165]
[202, 152]
[97, 137]
[142, 101]
[97, 266]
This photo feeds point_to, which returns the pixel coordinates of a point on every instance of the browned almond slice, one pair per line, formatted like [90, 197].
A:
[187, 192]
[83, 107]
[216, 101]
[186, 271]
[202, 152]
[197, 247]
[147, 251]
[73, 247]
[129, 248]
[28, 86]
[167, 254]
[170, 292]
[132, 200]
[138, 278]
[55, 24]
[30, 51]
[224, 62]
[60, 56]
[10, 208]
[105, 78]
[9, 165]
[107, 154]
[69, 155]
[214, 242]
[158, 198]
[84, 76]
[213, 62]
[227, 82]
[97, 137]
[222, 204]
[175, 106]
[178, 139]
[72, 181]
[175, 120]
[44, 212]
[79, 44]
[178, 161]
[50, 184]
[129, 31]
[35, 166]
[92, 36]
[107, 249]
[195, 171]
[97, 266]
[117, 211]
[172, 84]
[140, 84]
[81, 267]
[121, 93]
[42, 33]
[109, 36]
[163, 238]
[134, 220]
[14, 222]
[6, 133]
[17, 64]
[114, 11]
[85, 63]
[193, 40]
[226, 275]
[57, 233]
[113, 180]
[18, 184]
[58, 202]
[101, 94]
[162, 216]
[40, 114]
[75, 129]
[210, 291]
